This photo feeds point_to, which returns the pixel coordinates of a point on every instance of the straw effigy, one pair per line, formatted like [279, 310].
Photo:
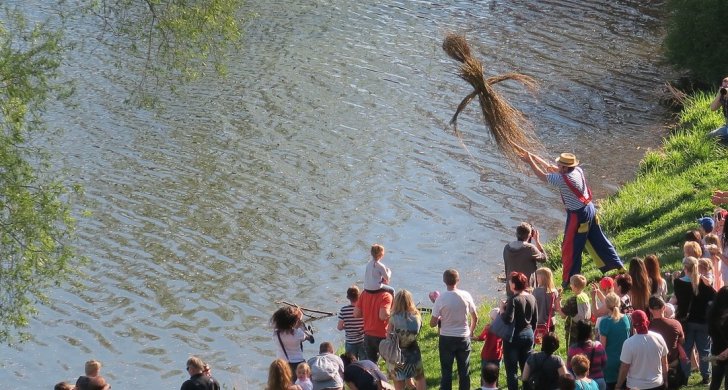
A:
[510, 129]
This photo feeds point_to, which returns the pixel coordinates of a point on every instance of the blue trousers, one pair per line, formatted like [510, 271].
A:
[582, 231]
[454, 349]
[515, 354]
[697, 335]
[358, 349]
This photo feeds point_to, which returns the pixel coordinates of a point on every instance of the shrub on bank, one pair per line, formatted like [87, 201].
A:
[697, 38]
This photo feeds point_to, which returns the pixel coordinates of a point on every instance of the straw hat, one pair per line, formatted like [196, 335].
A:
[567, 160]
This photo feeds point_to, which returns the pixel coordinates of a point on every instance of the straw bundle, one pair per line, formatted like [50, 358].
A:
[510, 129]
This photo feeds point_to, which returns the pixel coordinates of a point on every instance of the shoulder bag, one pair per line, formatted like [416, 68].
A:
[389, 348]
[501, 329]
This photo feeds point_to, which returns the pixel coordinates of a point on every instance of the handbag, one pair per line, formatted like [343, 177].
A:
[389, 348]
[501, 329]
[542, 329]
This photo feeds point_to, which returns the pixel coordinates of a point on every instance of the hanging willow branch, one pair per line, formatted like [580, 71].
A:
[510, 129]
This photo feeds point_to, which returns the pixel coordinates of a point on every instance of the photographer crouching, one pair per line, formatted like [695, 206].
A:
[721, 100]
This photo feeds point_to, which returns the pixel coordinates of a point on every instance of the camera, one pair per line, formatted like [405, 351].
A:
[723, 91]
[308, 331]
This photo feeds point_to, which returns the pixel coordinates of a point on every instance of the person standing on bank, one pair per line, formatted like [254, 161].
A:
[522, 255]
[521, 311]
[721, 101]
[582, 224]
[456, 312]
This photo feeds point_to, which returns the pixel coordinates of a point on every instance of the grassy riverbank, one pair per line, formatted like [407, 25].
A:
[651, 214]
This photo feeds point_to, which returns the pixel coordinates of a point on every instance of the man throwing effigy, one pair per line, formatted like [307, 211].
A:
[582, 224]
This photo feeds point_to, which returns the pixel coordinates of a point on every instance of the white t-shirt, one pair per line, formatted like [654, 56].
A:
[374, 273]
[305, 384]
[292, 343]
[453, 308]
[644, 353]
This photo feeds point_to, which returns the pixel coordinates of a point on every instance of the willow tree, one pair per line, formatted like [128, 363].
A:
[174, 39]
[36, 227]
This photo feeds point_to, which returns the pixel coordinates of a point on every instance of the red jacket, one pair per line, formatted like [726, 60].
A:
[493, 346]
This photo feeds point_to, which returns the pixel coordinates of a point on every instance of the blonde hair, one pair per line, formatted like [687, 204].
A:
[705, 264]
[712, 239]
[613, 304]
[690, 264]
[692, 249]
[92, 367]
[279, 375]
[548, 279]
[403, 303]
[578, 281]
[377, 251]
[303, 366]
[196, 363]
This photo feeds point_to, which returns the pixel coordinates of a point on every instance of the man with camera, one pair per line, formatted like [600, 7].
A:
[721, 100]
[524, 254]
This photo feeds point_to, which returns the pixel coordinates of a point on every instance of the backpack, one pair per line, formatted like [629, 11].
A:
[323, 369]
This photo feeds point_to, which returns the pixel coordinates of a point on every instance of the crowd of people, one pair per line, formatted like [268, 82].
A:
[625, 331]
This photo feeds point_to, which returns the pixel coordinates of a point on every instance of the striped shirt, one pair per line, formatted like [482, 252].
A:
[354, 327]
[576, 178]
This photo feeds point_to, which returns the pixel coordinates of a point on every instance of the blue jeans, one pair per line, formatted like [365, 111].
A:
[371, 347]
[458, 349]
[515, 354]
[357, 349]
[721, 132]
[697, 335]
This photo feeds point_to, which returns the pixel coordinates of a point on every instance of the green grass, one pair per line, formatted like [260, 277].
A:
[651, 214]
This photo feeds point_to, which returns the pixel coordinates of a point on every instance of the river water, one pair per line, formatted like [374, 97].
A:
[329, 134]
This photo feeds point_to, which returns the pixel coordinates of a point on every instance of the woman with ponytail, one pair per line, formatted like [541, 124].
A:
[692, 299]
[614, 328]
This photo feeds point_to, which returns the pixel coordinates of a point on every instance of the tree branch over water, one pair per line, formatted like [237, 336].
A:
[36, 227]
[173, 38]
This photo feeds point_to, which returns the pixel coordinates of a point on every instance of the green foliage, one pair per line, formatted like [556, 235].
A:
[697, 38]
[188, 37]
[35, 222]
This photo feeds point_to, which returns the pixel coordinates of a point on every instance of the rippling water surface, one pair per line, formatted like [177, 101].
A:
[330, 133]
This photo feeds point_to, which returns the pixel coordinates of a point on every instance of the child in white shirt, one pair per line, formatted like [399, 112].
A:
[377, 275]
[303, 376]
